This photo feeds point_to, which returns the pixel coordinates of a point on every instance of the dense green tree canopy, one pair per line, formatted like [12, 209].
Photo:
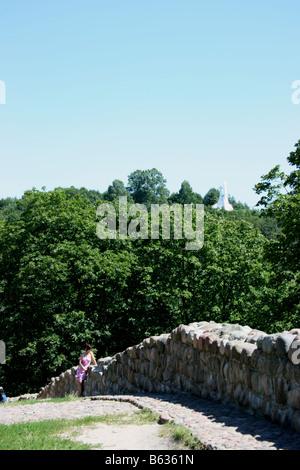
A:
[61, 285]
[281, 199]
[211, 197]
[148, 187]
[115, 190]
[186, 195]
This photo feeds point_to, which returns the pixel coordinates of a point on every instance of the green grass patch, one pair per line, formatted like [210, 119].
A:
[40, 435]
[51, 434]
[144, 416]
[46, 435]
[182, 436]
[34, 401]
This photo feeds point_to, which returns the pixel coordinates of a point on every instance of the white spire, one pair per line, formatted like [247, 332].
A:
[223, 199]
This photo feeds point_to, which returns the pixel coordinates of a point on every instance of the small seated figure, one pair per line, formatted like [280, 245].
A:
[3, 398]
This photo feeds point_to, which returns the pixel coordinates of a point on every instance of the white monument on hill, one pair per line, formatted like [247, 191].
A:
[223, 199]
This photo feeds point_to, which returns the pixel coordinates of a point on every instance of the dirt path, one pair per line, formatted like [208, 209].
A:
[124, 437]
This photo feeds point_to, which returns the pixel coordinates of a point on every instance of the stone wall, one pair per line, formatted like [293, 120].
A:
[221, 362]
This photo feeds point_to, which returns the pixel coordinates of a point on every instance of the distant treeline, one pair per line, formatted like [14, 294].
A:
[149, 187]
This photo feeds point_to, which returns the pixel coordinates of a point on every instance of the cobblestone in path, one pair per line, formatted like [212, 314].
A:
[218, 426]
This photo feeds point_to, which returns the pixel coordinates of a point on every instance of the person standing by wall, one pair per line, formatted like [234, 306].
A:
[84, 362]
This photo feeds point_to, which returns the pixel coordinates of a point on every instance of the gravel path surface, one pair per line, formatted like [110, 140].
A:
[215, 425]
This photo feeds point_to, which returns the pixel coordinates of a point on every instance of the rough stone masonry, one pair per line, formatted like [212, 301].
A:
[218, 361]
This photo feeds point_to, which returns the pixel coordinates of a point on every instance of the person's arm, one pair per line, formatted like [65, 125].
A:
[93, 359]
[80, 363]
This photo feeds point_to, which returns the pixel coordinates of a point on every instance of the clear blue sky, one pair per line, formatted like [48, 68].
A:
[200, 90]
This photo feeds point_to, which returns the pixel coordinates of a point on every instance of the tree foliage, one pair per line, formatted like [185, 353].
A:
[148, 187]
[186, 195]
[281, 199]
[60, 285]
[115, 190]
[211, 197]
